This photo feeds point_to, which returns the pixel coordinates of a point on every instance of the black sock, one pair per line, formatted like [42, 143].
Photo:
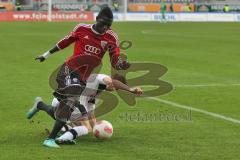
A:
[48, 109]
[74, 133]
[66, 127]
[56, 128]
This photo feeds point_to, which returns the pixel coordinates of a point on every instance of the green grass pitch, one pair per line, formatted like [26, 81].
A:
[203, 66]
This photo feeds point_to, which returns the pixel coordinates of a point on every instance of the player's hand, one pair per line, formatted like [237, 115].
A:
[124, 65]
[136, 90]
[40, 58]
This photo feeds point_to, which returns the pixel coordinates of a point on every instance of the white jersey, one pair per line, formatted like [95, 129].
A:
[89, 95]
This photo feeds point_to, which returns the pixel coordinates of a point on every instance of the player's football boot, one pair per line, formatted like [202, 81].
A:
[65, 141]
[50, 143]
[34, 109]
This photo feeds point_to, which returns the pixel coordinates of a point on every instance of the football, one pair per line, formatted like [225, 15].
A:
[103, 129]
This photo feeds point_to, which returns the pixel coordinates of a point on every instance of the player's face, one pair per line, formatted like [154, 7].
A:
[103, 24]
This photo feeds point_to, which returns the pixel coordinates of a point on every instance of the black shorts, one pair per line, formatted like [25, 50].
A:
[69, 83]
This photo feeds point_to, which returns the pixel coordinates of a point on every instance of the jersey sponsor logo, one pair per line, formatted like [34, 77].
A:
[92, 49]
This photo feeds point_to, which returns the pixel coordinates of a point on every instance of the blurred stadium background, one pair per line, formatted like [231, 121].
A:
[125, 10]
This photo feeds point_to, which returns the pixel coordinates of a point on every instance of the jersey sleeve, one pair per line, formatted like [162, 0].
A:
[69, 39]
[100, 78]
[114, 49]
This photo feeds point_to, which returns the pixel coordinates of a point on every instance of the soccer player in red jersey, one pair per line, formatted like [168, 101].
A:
[91, 41]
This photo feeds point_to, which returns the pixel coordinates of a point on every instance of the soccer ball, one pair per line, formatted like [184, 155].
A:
[103, 129]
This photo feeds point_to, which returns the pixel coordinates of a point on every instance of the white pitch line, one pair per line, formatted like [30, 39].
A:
[206, 85]
[196, 110]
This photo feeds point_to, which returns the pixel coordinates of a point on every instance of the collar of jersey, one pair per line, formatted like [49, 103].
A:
[96, 31]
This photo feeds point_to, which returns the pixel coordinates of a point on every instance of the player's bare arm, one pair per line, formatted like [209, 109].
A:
[116, 84]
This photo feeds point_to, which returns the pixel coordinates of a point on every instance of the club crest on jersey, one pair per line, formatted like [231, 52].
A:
[86, 37]
[103, 44]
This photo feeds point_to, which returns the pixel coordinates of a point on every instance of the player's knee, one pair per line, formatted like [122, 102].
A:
[87, 125]
[63, 112]
[61, 116]
[89, 129]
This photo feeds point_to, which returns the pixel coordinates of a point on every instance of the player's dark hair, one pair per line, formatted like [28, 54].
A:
[106, 11]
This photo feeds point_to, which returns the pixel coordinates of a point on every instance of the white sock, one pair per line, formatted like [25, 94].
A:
[74, 133]
[66, 136]
[81, 130]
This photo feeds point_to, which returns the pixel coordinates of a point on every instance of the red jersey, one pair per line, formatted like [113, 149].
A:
[89, 42]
